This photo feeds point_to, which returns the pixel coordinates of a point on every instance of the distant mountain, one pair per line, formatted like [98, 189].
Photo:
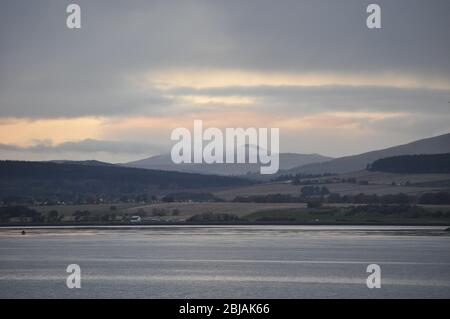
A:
[20, 178]
[88, 162]
[164, 162]
[433, 145]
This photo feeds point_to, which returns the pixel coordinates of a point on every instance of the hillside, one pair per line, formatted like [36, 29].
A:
[434, 145]
[47, 179]
[164, 162]
[87, 162]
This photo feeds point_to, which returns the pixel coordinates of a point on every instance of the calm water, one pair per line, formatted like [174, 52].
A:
[226, 262]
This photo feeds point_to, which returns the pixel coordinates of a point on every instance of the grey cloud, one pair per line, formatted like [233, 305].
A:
[413, 126]
[89, 146]
[9, 147]
[49, 71]
[70, 93]
[313, 99]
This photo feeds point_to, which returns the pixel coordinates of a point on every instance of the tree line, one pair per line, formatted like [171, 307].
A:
[419, 164]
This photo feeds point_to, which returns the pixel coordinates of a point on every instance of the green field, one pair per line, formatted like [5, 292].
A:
[339, 188]
[377, 183]
[344, 215]
[258, 212]
[177, 211]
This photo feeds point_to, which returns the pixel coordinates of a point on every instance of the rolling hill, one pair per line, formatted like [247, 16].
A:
[164, 162]
[433, 145]
[71, 180]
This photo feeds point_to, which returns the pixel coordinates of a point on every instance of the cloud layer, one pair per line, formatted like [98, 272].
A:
[138, 69]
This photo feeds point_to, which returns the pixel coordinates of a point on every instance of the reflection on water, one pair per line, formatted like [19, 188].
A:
[229, 230]
[226, 261]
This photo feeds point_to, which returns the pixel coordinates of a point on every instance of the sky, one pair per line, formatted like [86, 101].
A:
[116, 88]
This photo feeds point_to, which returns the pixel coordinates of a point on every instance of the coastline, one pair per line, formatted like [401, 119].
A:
[271, 223]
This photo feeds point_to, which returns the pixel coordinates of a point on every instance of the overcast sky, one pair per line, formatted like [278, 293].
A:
[116, 88]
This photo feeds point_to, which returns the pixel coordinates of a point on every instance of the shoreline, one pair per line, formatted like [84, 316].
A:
[213, 223]
[445, 227]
